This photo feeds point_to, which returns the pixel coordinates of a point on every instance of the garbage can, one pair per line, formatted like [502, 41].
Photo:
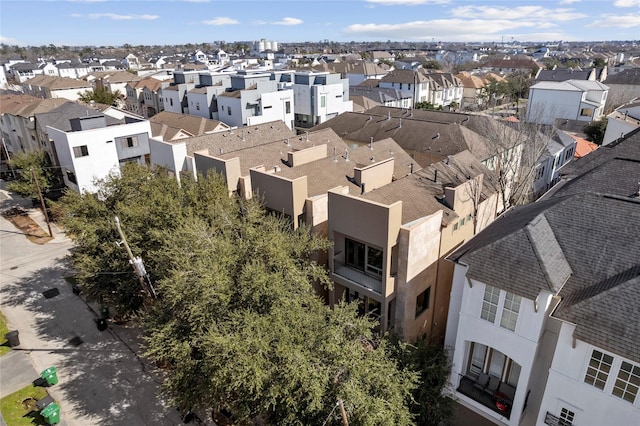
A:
[50, 376]
[13, 338]
[51, 414]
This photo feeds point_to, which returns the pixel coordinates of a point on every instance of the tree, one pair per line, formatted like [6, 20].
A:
[599, 63]
[236, 321]
[29, 164]
[432, 64]
[101, 95]
[595, 130]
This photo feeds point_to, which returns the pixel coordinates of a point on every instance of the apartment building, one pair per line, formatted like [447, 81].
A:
[319, 96]
[543, 316]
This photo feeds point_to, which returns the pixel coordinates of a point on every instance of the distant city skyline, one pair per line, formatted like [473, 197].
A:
[161, 22]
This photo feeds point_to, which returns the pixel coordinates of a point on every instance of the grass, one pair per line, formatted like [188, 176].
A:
[19, 408]
[4, 330]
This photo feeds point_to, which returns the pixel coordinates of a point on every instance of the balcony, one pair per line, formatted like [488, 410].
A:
[495, 395]
[369, 281]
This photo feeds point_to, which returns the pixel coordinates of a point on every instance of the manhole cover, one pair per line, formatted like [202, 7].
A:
[52, 292]
[76, 341]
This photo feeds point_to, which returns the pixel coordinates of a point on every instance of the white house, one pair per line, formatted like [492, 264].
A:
[570, 100]
[92, 150]
[49, 87]
[541, 331]
[622, 121]
[319, 96]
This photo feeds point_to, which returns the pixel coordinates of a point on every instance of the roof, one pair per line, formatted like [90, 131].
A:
[26, 105]
[583, 146]
[570, 85]
[152, 84]
[429, 136]
[236, 139]
[59, 117]
[630, 76]
[57, 83]
[470, 81]
[564, 74]
[168, 124]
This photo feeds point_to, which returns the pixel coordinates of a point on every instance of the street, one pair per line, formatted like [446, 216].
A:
[102, 378]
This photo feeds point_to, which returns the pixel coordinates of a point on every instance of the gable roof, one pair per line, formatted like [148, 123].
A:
[57, 83]
[59, 117]
[168, 124]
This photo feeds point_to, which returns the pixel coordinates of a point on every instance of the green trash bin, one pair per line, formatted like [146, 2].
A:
[50, 376]
[51, 414]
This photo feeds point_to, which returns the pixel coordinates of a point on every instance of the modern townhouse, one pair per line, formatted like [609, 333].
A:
[390, 239]
[573, 100]
[318, 97]
[445, 89]
[176, 156]
[255, 99]
[544, 307]
[383, 96]
[202, 100]
[89, 148]
[622, 121]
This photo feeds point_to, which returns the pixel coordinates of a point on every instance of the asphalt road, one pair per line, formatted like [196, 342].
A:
[102, 378]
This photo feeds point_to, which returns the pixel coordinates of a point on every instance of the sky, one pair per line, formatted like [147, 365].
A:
[160, 22]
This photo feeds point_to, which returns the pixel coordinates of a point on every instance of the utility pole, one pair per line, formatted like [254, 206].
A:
[136, 262]
[44, 207]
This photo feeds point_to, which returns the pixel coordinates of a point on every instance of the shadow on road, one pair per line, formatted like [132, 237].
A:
[99, 374]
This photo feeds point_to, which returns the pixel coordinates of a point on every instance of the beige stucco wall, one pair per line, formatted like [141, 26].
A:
[280, 194]
[229, 169]
[374, 176]
[304, 156]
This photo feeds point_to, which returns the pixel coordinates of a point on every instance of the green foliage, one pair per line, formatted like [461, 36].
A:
[430, 406]
[595, 131]
[427, 105]
[101, 96]
[599, 63]
[24, 163]
[432, 64]
[237, 322]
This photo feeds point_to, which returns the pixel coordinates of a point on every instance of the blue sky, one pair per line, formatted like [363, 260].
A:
[116, 22]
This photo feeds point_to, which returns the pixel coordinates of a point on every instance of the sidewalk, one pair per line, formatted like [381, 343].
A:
[102, 378]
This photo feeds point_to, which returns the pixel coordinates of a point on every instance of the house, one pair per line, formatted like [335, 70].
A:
[254, 99]
[383, 96]
[577, 100]
[93, 146]
[18, 122]
[44, 86]
[564, 74]
[623, 87]
[411, 82]
[445, 89]
[622, 121]
[202, 100]
[23, 71]
[112, 81]
[473, 90]
[389, 241]
[318, 97]
[559, 150]
[358, 72]
[171, 126]
[131, 62]
[144, 97]
[544, 305]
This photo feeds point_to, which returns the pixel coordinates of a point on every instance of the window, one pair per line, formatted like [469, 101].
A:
[478, 355]
[422, 301]
[628, 382]
[586, 112]
[566, 417]
[80, 151]
[323, 101]
[598, 369]
[229, 111]
[455, 226]
[198, 106]
[462, 222]
[510, 311]
[71, 177]
[287, 107]
[468, 218]
[171, 101]
[363, 257]
[129, 142]
[490, 303]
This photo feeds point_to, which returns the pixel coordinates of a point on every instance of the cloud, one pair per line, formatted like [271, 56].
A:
[569, 1]
[221, 20]
[289, 21]
[616, 21]
[407, 2]
[460, 30]
[116, 17]
[627, 3]
[521, 12]
[10, 41]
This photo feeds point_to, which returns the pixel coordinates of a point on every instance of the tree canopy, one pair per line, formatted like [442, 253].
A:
[236, 322]
[101, 96]
[28, 165]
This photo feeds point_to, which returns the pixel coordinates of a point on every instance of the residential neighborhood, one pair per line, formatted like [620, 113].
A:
[259, 231]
